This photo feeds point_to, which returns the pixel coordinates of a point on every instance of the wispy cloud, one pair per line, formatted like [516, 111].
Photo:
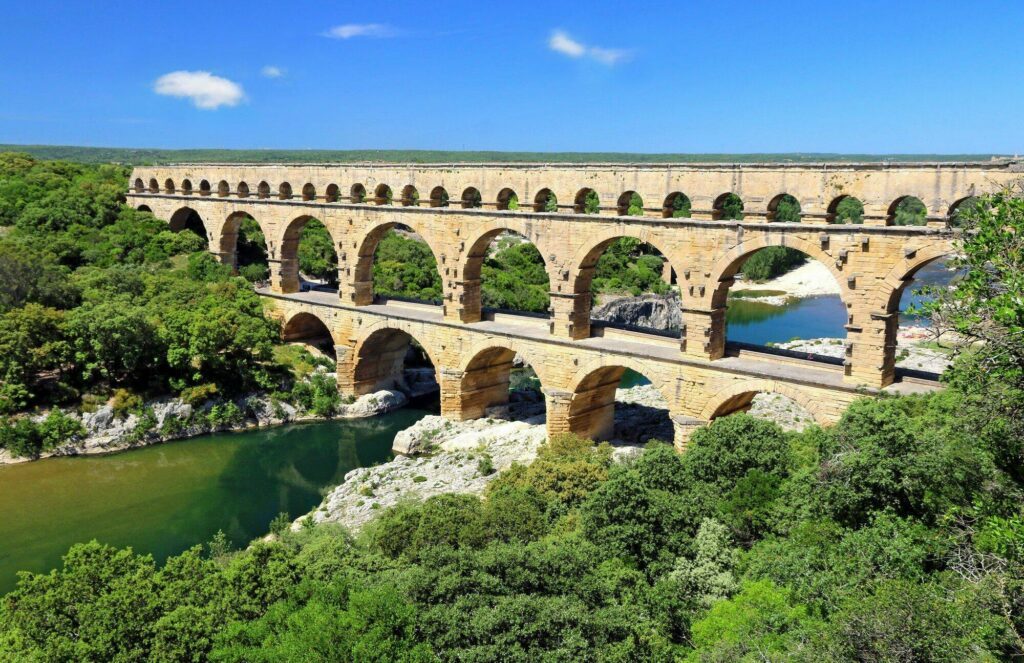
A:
[561, 42]
[350, 30]
[270, 71]
[202, 88]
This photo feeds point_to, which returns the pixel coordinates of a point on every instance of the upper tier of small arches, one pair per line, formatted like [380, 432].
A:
[734, 200]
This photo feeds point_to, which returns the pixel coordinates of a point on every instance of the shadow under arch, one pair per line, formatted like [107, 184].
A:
[186, 218]
[591, 411]
[362, 274]
[472, 270]
[379, 358]
[486, 379]
[309, 329]
[228, 246]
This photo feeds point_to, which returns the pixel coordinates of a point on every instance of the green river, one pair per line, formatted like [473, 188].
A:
[165, 498]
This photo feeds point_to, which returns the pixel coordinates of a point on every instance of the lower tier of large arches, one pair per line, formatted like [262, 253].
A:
[472, 366]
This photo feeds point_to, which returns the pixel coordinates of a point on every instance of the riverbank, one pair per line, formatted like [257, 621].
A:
[168, 419]
[811, 279]
[916, 349]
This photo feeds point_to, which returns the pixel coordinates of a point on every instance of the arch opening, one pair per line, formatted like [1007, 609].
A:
[619, 403]
[392, 359]
[308, 192]
[908, 211]
[263, 190]
[333, 193]
[846, 209]
[187, 219]
[204, 188]
[545, 201]
[284, 191]
[243, 239]
[242, 191]
[382, 195]
[357, 194]
[439, 197]
[309, 260]
[587, 202]
[961, 210]
[471, 198]
[223, 188]
[677, 206]
[154, 186]
[186, 187]
[139, 186]
[395, 262]
[499, 383]
[919, 344]
[168, 185]
[766, 403]
[144, 208]
[505, 273]
[784, 208]
[410, 196]
[310, 331]
[508, 200]
[630, 204]
[727, 207]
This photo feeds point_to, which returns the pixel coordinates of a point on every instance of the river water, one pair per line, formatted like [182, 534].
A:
[165, 498]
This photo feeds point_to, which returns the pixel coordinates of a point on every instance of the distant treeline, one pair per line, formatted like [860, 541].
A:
[146, 156]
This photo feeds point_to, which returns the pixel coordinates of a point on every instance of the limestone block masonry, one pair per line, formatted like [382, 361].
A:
[458, 209]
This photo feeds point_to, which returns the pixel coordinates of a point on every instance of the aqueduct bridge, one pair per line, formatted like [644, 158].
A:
[458, 209]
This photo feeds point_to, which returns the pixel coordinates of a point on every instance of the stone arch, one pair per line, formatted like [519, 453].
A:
[580, 202]
[738, 396]
[677, 201]
[263, 190]
[625, 201]
[902, 274]
[382, 195]
[168, 185]
[242, 190]
[377, 359]
[472, 265]
[308, 191]
[145, 208]
[833, 208]
[952, 216]
[507, 199]
[284, 191]
[773, 205]
[223, 188]
[728, 265]
[139, 185]
[308, 328]
[333, 193]
[288, 251]
[471, 198]
[186, 218]
[719, 211]
[154, 186]
[186, 187]
[410, 196]
[439, 197]
[362, 275]
[357, 194]
[544, 200]
[486, 377]
[204, 188]
[591, 409]
[228, 243]
[890, 218]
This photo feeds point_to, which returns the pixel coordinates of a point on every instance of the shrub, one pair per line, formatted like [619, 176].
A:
[126, 402]
[199, 393]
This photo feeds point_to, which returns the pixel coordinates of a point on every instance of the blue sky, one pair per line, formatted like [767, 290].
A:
[726, 76]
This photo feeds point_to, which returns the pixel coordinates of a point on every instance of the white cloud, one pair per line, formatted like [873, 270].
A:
[203, 88]
[270, 71]
[350, 30]
[561, 42]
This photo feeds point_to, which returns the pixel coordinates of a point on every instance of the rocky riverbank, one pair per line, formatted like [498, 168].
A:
[909, 354]
[163, 420]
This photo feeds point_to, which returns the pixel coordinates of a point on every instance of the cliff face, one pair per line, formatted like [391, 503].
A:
[650, 311]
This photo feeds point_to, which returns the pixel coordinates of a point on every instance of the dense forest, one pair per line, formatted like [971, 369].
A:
[147, 156]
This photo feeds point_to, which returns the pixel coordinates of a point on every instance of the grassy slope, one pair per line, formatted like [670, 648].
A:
[143, 156]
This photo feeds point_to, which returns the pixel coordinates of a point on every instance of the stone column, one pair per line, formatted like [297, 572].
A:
[871, 351]
[466, 300]
[570, 315]
[284, 275]
[703, 333]
[345, 367]
[557, 403]
[684, 427]
[451, 393]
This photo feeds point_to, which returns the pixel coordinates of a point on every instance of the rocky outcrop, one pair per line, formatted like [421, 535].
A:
[649, 311]
[371, 405]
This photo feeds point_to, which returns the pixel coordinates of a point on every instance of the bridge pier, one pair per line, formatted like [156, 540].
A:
[684, 427]
[570, 315]
[284, 275]
[872, 351]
